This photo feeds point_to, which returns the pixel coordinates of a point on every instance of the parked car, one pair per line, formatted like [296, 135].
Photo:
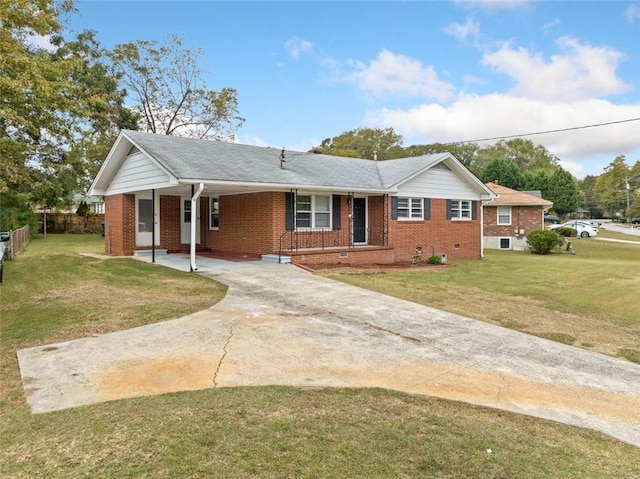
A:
[584, 228]
[551, 219]
[635, 221]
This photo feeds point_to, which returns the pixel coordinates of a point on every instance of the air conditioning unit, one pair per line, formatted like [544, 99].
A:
[443, 257]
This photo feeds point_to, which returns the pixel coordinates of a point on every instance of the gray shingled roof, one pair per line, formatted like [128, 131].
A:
[204, 160]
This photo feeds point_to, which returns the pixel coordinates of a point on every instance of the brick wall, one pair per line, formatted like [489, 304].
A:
[253, 223]
[523, 218]
[346, 256]
[119, 221]
[457, 239]
[170, 234]
[249, 223]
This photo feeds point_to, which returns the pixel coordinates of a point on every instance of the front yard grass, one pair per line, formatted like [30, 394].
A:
[51, 293]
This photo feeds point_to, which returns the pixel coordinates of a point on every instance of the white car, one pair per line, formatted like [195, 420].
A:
[584, 229]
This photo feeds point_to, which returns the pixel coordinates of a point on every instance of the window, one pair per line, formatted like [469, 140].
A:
[145, 215]
[214, 213]
[313, 211]
[460, 209]
[504, 215]
[187, 211]
[505, 243]
[410, 208]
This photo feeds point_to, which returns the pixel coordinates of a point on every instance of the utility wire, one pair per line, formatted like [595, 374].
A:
[545, 132]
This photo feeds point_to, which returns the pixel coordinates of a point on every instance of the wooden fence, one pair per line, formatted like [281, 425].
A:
[18, 239]
[71, 223]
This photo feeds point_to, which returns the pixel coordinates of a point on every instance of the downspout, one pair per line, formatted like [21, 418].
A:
[194, 215]
[153, 226]
[481, 206]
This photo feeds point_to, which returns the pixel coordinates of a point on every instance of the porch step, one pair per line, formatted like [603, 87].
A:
[148, 252]
[273, 258]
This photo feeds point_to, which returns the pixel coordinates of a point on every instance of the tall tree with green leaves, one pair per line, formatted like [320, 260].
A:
[464, 152]
[362, 142]
[165, 83]
[563, 191]
[50, 95]
[506, 173]
[524, 153]
[610, 188]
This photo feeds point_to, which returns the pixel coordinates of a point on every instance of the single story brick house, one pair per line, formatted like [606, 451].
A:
[511, 216]
[174, 194]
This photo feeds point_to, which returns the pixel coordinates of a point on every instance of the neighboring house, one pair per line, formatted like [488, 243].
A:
[189, 195]
[510, 217]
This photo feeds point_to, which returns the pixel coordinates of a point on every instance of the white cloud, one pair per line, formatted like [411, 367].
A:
[40, 42]
[399, 75]
[490, 5]
[632, 13]
[578, 72]
[459, 31]
[474, 117]
[297, 46]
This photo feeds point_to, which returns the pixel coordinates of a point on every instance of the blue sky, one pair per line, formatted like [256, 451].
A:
[433, 71]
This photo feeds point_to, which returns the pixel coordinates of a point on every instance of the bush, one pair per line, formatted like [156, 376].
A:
[435, 259]
[566, 232]
[544, 241]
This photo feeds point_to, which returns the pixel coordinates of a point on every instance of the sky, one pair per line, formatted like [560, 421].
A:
[435, 72]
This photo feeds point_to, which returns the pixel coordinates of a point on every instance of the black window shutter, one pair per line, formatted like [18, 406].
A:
[337, 201]
[474, 210]
[449, 209]
[427, 208]
[290, 211]
[394, 207]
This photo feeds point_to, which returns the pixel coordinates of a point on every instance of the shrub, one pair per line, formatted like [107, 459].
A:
[435, 259]
[566, 232]
[544, 241]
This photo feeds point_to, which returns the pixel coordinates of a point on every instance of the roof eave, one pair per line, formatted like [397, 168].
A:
[285, 186]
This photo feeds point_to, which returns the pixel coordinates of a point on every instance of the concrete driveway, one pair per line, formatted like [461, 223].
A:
[282, 325]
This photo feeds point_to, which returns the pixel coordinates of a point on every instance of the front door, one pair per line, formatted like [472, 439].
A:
[186, 217]
[146, 220]
[360, 221]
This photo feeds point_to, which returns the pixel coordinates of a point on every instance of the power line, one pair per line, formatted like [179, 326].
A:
[506, 137]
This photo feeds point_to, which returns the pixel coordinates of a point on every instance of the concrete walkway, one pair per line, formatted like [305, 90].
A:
[281, 325]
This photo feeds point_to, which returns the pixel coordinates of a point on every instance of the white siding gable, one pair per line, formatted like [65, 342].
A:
[437, 182]
[137, 173]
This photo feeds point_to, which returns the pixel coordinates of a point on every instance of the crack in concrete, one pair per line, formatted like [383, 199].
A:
[395, 333]
[224, 354]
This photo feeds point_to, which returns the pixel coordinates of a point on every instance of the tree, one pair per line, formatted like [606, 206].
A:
[363, 142]
[610, 188]
[50, 97]
[464, 152]
[588, 197]
[166, 84]
[536, 180]
[506, 173]
[563, 192]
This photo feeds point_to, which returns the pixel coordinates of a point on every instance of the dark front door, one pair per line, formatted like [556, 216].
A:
[359, 220]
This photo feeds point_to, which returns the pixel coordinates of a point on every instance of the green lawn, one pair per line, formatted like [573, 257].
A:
[51, 293]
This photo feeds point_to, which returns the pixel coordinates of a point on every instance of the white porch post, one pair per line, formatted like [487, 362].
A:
[194, 223]
[481, 206]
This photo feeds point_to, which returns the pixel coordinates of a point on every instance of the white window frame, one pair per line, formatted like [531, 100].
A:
[314, 212]
[412, 211]
[461, 210]
[214, 212]
[503, 215]
[500, 240]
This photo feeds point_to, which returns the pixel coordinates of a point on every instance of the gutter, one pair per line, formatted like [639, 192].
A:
[194, 213]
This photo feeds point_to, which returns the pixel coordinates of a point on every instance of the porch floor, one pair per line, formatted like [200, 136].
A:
[205, 262]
